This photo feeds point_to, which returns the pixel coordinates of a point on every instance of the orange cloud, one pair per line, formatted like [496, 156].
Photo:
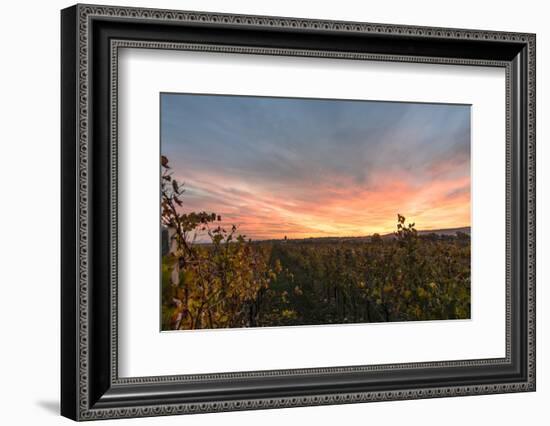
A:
[344, 208]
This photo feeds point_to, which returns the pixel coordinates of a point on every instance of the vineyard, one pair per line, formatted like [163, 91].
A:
[232, 282]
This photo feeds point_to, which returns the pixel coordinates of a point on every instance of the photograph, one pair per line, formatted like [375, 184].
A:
[264, 209]
[295, 211]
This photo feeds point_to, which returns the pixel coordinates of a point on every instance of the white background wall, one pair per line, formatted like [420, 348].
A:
[29, 213]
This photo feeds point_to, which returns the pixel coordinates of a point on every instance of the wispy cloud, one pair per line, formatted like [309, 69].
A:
[296, 167]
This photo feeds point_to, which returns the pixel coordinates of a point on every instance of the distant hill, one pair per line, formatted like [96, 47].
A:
[448, 231]
[445, 232]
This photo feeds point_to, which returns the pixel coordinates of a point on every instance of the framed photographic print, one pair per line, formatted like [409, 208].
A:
[263, 212]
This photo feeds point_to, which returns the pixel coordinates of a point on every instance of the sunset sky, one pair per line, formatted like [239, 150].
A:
[319, 168]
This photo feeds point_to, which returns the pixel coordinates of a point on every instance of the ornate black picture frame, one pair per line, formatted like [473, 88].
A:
[91, 36]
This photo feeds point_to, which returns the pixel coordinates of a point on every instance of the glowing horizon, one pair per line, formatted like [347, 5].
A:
[301, 168]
